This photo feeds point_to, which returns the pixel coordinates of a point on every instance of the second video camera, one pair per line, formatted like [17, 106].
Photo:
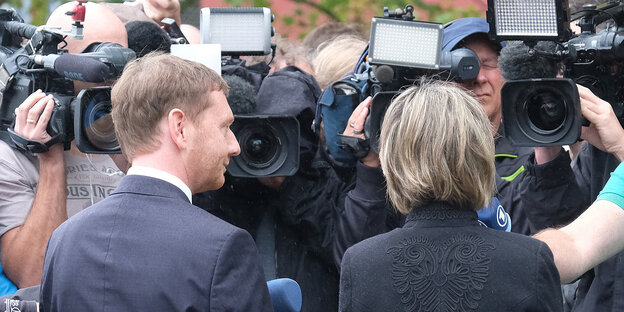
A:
[539, 109]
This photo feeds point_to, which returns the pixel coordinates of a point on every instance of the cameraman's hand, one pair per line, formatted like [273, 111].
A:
[33, 115]
[604, 131]
[355, 128]
[159, 9]
[31, 121]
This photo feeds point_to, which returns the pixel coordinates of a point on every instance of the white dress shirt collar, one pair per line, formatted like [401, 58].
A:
[161, 175]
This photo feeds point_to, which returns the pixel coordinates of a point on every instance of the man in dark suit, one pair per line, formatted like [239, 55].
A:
[146, 247]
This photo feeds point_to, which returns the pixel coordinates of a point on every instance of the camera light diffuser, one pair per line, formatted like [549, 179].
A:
[405, 43]
[530, 18]
[239, 31]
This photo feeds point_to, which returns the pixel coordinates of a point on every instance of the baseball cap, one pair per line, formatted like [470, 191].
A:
[458, 30]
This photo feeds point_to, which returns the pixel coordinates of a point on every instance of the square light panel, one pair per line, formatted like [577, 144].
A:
[528, 19]
[405, 43]
[239, 31]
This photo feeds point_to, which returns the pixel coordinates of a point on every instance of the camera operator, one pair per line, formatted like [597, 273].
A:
[551, 181]
[471, 33]
[291, 218]
[39, 193]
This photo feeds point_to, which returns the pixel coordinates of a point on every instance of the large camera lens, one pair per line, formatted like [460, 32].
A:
[98, 122]
[546, 111]
[269, 146]
[259, 146]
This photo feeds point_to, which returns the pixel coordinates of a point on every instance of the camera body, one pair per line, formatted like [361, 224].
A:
[545, 111]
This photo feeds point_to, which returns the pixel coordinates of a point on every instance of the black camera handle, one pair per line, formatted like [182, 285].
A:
[31, 145]
[357, 147]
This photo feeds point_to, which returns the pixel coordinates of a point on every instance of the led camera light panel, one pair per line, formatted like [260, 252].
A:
[526, 18]
[405, 43]
[239, 31]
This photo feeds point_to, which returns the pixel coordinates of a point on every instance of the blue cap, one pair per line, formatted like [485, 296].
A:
[458, 30]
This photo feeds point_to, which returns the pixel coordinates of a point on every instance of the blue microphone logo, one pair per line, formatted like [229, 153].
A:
[494, 216]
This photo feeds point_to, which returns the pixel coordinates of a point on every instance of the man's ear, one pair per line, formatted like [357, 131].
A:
[178, 127]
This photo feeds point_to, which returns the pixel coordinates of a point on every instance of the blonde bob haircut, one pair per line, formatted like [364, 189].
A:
[149, 88]
[436, 145]
[336, 58]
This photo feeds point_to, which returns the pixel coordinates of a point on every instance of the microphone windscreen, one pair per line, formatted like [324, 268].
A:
[285, 295]
[145, 37]
[242, 97]
[77, 67]
[515, 63]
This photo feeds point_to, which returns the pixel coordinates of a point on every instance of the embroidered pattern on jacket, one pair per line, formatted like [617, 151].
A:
[446, 276]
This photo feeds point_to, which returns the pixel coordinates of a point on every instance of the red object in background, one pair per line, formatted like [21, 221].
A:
[79, 11]
[287, 7]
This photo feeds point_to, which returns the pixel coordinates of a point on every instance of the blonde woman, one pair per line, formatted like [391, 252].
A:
[436, 153]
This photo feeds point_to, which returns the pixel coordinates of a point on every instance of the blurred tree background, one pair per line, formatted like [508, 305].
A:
[301, 16]
[294, 18]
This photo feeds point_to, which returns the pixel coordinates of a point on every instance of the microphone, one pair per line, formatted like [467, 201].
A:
[75, 67]
[145, 37]
[516, 62]
[285, 295]
[242, 97]
[20, 29]
[494, 216]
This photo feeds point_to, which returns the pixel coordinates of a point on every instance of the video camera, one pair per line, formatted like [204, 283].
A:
[400, 52]
[269, 143]
[40, 64]
[539, 109]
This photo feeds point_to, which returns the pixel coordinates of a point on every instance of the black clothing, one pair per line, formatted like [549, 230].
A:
[366, 212]
[443, 260]
[572, 190]
[509, 161]
[303, 213]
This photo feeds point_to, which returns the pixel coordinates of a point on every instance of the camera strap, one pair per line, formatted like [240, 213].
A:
[31, 145]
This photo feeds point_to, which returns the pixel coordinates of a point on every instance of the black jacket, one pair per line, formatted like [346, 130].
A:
[571, 191]
[443, 260]
[302, 214]
[509, 162]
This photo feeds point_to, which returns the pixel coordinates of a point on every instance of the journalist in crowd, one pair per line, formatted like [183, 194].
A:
[146, 247]
[39, 192]
[436, 153]
[291, 218]
[593, 238]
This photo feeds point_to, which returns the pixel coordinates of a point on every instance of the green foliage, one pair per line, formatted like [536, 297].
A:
[38, 12]
[262, 3]
[184, 4]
